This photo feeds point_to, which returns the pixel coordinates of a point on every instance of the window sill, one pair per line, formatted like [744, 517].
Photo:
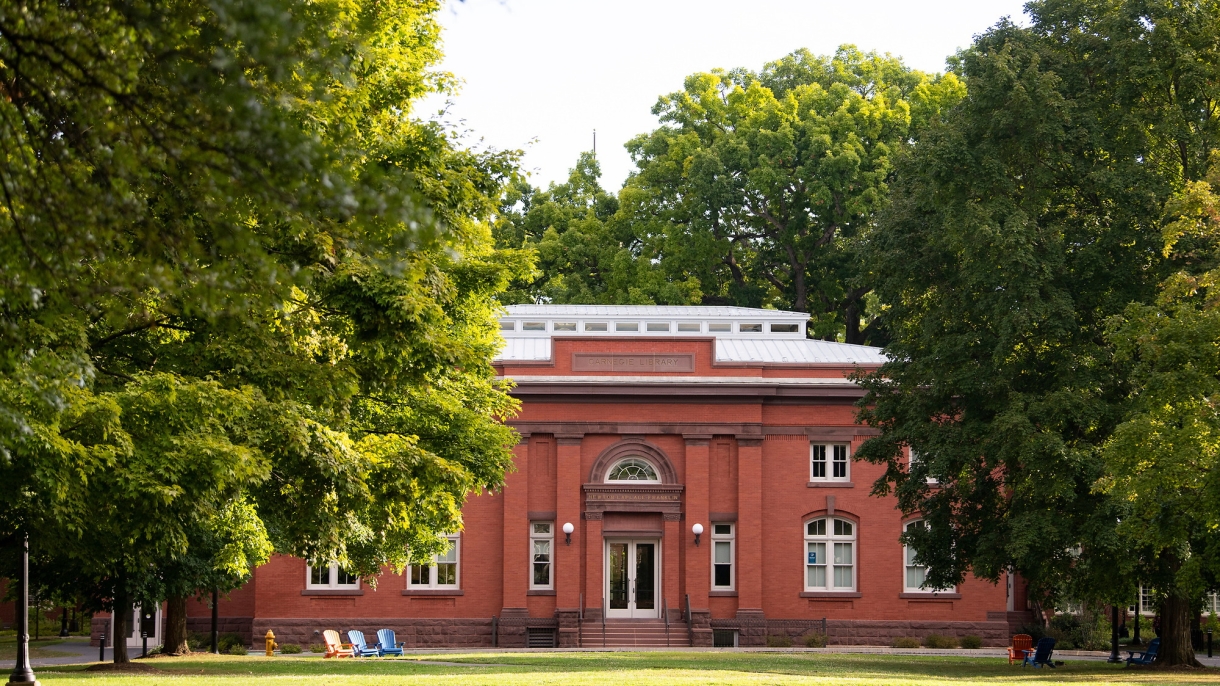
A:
[434, 591]
[540, 591]
[332, 591]
[831, 594]
[722, 594]
[830, 484]
[930, 596]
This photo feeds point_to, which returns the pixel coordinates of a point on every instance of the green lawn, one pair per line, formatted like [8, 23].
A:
[40, 648]
[537, 669]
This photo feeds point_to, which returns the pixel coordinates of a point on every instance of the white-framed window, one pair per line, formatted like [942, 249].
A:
[442, 573]
[719, 327]
[626, 326]
[914, 575]
[830, 554]
[828, 462]
[508, 325]
[723, 554]
[330, 576]
[542, 546]
[783, 328]
[749, 328]
[1147, 603]
[564, 326]
[633, 469]
[658, 326]
[913, 461]
[689, 327]
[533, 326]
[1212, 606]
[595, 326]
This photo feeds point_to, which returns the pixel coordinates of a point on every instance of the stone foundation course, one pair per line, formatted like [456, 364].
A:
[413, 633]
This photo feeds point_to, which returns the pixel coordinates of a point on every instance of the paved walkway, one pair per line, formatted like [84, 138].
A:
[84, 653]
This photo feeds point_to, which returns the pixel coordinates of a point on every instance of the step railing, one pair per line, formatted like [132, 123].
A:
[690, 629]
[580, 624]
[603, 622]
[665, 613]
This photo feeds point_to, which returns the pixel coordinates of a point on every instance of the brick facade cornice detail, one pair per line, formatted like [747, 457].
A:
[664, 498]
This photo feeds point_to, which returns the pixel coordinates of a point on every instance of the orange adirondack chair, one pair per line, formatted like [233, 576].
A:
[335, 647]
[1020, 644]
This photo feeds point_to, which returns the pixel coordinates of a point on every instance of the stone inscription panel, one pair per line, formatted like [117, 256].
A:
[631, 363]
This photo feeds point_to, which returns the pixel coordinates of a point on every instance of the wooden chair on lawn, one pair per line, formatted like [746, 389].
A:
[1020, 644]
[1146, 657]
[1040, 656]
[390, 645]
[334, 646]
[361, 648]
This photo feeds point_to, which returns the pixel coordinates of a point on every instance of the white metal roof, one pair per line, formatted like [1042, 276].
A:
[676, 311]
[802, 351]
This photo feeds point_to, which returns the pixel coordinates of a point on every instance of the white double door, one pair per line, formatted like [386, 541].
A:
[633, 578]
[142, 621]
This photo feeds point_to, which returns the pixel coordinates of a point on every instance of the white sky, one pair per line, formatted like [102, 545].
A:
[541, 75]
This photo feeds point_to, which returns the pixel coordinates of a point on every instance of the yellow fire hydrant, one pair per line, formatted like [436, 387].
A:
[271, 644]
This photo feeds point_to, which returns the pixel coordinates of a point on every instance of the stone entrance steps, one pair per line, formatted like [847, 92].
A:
[635, 633]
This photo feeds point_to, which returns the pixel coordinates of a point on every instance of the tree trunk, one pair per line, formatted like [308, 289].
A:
[1176, 621]
[851, 317]
[122, 623]
[175, 627]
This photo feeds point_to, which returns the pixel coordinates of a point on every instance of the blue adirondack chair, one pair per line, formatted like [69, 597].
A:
[389, 646]
[1041, 654]
[1146, 657]
[359, 647]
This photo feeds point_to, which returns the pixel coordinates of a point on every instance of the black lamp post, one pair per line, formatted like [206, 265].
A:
[22, 672]
[1114, 634]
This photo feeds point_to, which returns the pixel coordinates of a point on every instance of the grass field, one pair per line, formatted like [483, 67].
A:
[538, 669]
[40, 648]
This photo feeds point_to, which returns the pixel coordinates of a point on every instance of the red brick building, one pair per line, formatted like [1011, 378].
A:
[702, 458]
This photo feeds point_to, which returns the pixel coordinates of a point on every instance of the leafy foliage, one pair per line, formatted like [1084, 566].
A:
[245, 300]
[1018, 228]
[762, 187]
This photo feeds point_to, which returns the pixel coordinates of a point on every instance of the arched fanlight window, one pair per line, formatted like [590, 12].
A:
[633, 469]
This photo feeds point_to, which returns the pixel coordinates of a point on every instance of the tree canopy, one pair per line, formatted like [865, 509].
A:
[246, 300]
[1020, 226]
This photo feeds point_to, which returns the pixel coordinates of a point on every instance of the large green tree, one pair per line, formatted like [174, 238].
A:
[233, 198]
[762, 187]
[1019, 225]
[587, 253]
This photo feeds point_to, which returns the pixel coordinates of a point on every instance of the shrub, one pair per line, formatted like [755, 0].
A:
[815, 641]
[237, 649]
[906, 642]
[197, 640]
[317, 647]
[226, 641]
[972, 642]
[290, 649]
[779, 641]
[940, 642]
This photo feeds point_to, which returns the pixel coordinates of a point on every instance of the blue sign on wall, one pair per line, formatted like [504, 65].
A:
[813, 558]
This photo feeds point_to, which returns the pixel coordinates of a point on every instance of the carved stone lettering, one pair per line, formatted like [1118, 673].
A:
[618, 362]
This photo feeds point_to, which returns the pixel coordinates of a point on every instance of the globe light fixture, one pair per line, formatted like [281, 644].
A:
[567, 533]
[697, 530]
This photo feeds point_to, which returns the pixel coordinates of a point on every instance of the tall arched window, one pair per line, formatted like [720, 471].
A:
[830, 554]
[633, 469]
[915, 575]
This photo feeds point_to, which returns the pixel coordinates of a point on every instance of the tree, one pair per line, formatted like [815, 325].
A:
[762, 187]
[1019, 226]
[232, 198]
[586, 252]
[1163, 460]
